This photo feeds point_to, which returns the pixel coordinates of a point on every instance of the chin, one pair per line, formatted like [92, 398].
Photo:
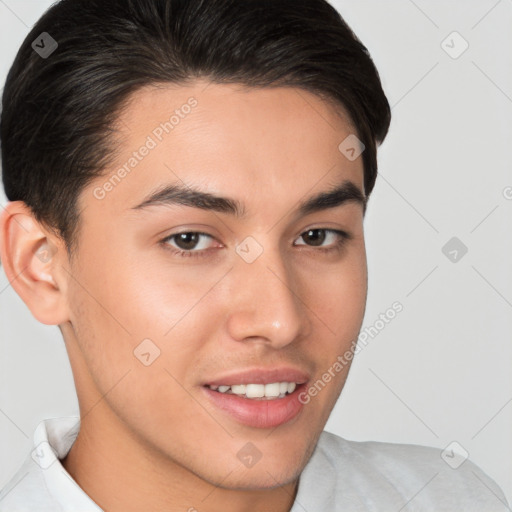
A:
[275, 468]
[264, 478]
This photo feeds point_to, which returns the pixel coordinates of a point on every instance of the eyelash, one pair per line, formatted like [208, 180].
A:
[336, 247]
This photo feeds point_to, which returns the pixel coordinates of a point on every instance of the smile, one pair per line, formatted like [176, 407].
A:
[271, 391]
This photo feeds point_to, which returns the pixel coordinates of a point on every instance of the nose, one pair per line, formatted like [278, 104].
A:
[266, 304]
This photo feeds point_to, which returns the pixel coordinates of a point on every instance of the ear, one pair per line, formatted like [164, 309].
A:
[32, 259]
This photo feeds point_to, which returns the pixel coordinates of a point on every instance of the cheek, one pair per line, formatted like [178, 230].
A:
[116, 312]
[339, 295]
[116, 323]
[162, 291]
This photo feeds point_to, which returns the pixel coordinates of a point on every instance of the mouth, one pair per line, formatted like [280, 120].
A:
[272, 391]
[259, 398]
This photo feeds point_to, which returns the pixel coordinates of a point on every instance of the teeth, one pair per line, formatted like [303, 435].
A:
[255, 390]
[271, 391]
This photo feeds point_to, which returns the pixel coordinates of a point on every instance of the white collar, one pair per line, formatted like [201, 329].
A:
[53, 439]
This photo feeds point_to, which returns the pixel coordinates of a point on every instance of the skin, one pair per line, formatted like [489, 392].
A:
[149, 440]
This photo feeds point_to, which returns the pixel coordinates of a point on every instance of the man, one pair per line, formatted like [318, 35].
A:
[187, 185]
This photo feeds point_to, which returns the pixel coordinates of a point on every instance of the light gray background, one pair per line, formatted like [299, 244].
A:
[441, 370]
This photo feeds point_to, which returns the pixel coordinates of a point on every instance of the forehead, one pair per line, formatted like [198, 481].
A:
[250, 143]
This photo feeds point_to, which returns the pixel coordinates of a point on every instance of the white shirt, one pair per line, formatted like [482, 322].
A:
[341, 475]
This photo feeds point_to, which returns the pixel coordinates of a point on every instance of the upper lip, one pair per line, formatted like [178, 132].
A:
[261, 376]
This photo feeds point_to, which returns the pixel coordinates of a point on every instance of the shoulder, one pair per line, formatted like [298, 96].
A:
[369, 474]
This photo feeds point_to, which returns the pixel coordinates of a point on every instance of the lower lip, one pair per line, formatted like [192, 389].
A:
[258, 413]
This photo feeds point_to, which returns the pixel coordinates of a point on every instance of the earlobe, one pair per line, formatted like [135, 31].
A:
[30, 257]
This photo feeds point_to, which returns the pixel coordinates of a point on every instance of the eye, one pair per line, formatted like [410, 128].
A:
[318, 236]
[188, 243]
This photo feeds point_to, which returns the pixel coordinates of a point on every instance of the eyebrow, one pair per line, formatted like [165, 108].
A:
[189, 196]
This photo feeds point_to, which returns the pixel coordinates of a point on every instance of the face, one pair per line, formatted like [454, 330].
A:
[172, 301]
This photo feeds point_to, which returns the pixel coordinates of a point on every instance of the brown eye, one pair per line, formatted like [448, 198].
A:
[314, 236]
[318, 236]
[188, 243]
